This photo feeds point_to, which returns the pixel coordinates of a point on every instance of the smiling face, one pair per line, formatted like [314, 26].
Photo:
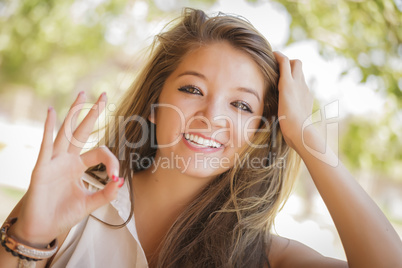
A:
[208, 109]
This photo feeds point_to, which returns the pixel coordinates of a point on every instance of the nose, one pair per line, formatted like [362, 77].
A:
[213, 114]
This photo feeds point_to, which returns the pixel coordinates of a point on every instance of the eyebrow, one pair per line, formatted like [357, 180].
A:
[193, 73]
[249, 90]
[244, 89]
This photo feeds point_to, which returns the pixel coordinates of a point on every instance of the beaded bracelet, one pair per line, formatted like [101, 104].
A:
[24, 252]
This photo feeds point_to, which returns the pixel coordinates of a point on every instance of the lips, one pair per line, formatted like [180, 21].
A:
[202, 142]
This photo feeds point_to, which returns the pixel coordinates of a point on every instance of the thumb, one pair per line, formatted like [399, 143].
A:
[104, 196]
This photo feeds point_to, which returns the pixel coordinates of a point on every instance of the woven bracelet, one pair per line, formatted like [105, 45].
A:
[24, 252]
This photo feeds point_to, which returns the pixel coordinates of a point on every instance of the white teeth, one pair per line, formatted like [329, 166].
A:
[201, 141]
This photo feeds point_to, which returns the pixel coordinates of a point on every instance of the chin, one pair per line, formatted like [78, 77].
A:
[202, 172]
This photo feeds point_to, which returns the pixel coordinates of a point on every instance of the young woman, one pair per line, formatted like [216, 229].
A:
[202, 152]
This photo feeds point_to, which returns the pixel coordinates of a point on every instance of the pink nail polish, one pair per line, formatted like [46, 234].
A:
[81, 92]
[49, 109]
[122, 182]
[115, 178]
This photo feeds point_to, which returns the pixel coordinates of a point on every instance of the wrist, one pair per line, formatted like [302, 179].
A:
[309, 140]
[22, 250]
[28, 238]
[314, 147]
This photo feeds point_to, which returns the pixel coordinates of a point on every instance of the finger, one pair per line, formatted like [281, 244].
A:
[64, 135]
[284, 65]
[104, 196]
[105, 156]
[296, 67]
[76, 111]
[81, 134]
[102, 155]
[46, 148]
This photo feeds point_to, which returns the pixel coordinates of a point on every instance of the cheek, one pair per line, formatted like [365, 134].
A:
[171, 118]
[248, 129]
[169, 124]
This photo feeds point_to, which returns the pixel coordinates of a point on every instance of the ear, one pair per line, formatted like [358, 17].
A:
[151, 117]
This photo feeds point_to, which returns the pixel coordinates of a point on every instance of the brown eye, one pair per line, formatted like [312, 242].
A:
[191, 89]
[242, 106]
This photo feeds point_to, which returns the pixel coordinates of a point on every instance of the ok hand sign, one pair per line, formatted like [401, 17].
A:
[57, 199]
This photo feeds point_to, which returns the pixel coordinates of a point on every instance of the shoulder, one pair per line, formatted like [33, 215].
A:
[285, 252]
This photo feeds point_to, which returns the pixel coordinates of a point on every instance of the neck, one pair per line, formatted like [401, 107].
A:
[165, 186]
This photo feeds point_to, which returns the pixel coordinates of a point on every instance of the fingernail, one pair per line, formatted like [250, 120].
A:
[103, 94]
[49, 109]
[81, 92]
[122, 182]
[115, 178]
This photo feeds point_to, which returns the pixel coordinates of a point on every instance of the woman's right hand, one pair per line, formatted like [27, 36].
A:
[57, 199]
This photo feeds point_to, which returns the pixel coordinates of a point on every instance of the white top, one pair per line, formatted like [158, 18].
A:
[93, 244]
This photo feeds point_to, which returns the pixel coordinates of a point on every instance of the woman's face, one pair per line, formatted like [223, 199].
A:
[209, 108]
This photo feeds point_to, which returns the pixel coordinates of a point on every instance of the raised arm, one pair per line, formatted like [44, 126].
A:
[56, 199]
[367, 236]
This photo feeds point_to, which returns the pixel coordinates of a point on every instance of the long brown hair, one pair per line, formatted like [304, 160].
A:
[228, 224]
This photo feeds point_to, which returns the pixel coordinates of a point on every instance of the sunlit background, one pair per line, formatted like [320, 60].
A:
[352, 59]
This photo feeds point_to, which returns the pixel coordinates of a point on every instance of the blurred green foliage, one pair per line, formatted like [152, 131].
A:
[367, 32]
[374, 145]
[50, 46]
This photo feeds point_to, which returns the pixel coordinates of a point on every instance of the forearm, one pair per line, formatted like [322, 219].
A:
[368, 238]
[7, 259]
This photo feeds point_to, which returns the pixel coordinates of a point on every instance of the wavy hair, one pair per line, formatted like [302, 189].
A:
[228, 224]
